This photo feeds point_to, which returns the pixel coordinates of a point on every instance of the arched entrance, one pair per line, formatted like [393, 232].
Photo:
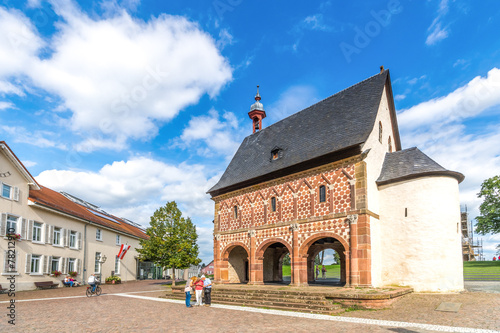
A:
[314, 245]
[271, 254]
[235, 266]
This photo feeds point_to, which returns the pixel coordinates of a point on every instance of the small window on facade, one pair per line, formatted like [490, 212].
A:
[273, 204]
[322, 193]
[12, 224]
[390, 145]
[117, 265]
[72, 239]
[71, 265]
[98, 234]
[235, 212]
[35, 264]
[54, 265]
[37, 232]
[56, 240]
[6, 191]
[118, 240]
[380, 131]
[96, 264]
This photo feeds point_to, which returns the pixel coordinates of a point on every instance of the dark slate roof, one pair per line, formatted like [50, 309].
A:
[411, 163]
[343, 120]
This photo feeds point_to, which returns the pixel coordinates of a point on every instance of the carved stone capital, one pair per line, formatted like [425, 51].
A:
[295, 195]
[312, 191]
[252, 233]
[331, 186]
[294, 227]
[352, 181]
[352, 219]
[252, 204]
[218, 237]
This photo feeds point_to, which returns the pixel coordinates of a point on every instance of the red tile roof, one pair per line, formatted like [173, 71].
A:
[55, 200]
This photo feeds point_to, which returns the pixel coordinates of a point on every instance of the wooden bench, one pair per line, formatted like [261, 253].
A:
[46, 285]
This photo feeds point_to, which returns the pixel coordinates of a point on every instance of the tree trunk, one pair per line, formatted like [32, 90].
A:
[322, 256]
[173, 277]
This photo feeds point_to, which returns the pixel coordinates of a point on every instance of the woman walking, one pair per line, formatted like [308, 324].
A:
[188, 289]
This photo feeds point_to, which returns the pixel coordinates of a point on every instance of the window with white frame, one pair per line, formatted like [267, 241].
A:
[9, 192]
[71, 265]
[117, 265]
[37, 232]
[97, 266]
[6, 190]
[12, 224]
[98, 235]
[56, 239]
[10, 262]
[55, 264]
[72, 239]
[36, 264]
[118, 240]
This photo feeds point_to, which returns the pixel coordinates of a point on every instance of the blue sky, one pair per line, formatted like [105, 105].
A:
[129, 104]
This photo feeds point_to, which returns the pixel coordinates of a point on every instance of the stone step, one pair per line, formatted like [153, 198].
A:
[287, 308]
[319, 300]
[267, 295]
[266, 291]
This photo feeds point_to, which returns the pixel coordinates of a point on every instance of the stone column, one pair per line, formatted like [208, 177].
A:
[299, 267]
[255, 267]
[353, 247]
[217, 259]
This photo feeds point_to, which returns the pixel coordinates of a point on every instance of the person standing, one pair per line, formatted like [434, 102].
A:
[207, 284]
[187, 290]
[317, 272]
[323, 272]
[198, 287]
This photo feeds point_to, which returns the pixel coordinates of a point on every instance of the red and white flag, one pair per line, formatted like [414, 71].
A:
[123, 250]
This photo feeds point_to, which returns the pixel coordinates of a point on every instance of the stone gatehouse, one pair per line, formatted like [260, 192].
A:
[333, 176]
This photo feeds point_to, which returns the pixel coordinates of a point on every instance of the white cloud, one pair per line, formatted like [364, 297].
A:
[315, 22]
[42, 139]
[7, 88]
[6, 105]
[440, 127]
[294, 99]
[119, 76]
[467, 101]
[135, 188]
[436, 32]
[29, 164]
[34, 3]
[220, 135]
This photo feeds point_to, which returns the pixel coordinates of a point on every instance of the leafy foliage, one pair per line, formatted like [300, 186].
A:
[172, 240]
[489, 220]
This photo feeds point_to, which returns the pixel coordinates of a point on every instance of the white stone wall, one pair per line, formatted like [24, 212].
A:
[423, 249]
[236, 265]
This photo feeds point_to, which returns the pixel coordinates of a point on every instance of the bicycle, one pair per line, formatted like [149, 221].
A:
[97, 291]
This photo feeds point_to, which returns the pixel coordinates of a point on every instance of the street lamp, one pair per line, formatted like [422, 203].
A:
[102, 260]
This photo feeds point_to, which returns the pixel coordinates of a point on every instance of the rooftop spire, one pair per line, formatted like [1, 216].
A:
[257, 113]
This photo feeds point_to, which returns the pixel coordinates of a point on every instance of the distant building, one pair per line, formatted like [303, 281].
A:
[58, 232]
[208, 269]
[334, 176]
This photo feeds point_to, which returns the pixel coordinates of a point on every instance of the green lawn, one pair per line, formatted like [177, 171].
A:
[482, 267]
[332, 271]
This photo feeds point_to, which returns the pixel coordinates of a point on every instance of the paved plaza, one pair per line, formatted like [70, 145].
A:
[135, 307]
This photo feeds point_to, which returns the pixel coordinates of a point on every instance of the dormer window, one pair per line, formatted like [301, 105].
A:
[276, 154]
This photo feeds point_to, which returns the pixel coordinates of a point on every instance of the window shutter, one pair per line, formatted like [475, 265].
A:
[15, 193]
[51, 233]
[64, 235]
[47, 234]
[46, 263]
[78, 266]
[64, 265]
[79, 240]
[30, 230]
[28, 263]
[23, 228]
[5, 262]
[3, 224]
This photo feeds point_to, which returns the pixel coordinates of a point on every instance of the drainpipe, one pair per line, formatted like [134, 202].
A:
[85, 256]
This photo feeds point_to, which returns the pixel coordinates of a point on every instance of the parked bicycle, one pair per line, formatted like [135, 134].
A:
[97, 290]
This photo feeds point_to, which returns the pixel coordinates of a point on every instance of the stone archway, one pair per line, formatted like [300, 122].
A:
[319, 242]
[235, 264]
[270, 259]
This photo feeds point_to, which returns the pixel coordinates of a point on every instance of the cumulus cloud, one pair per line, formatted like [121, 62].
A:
[42, 139]
[218, 134]
[467, 101]
[6, 105]
[135, 188]
[444, 128]
[120, 76]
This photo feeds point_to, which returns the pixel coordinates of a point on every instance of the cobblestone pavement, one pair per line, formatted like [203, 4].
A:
[66, 309]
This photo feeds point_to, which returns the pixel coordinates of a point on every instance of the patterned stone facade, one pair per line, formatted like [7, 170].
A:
[289, 215]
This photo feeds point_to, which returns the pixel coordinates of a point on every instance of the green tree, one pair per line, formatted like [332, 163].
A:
[172, 240]
[286, 259]
[489, 220]
[336, 257]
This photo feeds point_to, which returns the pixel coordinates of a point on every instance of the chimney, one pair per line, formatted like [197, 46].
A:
[257, 113]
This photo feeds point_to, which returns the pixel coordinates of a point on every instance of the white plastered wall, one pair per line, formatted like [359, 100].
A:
[423, 249]
[374, 161]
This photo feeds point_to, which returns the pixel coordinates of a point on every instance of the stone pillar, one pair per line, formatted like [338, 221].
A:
[217, 259]
[353, 246]
[299, 265]
[364, 251]
[255, 267]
